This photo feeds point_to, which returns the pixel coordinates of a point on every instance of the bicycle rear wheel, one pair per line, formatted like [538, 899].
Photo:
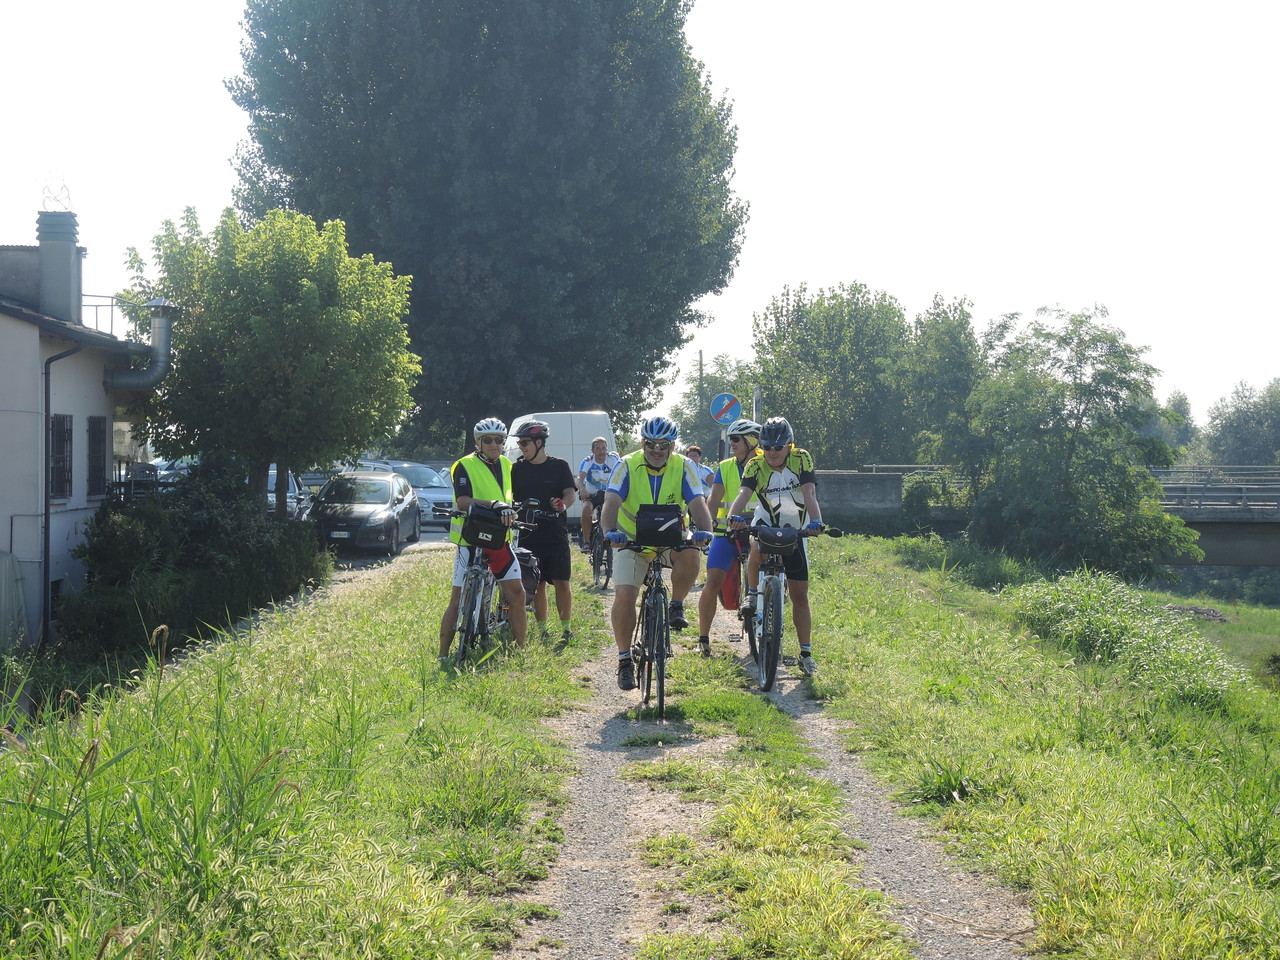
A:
[770, 633]
[748, 618]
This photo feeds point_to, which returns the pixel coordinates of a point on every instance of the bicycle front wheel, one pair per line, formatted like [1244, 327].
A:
[770, 632]
[597, 557]
[470, 613]
[659, 642]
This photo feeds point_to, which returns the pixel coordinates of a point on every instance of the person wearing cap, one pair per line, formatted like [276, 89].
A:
[484, 476]
[785, 487]
[744, 443]
[594, 474]
[701, 470]
[549, 480]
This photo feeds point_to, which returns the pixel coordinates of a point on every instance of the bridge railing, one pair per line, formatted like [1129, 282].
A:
[1219, 474]
[1201, 496]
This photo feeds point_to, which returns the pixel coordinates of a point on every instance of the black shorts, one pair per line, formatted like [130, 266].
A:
[553, 557]
[796, 565]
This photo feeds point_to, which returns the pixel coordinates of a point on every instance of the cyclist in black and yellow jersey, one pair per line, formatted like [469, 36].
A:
[654, 474]
[785, 487]
[484, 477]
[744, 444]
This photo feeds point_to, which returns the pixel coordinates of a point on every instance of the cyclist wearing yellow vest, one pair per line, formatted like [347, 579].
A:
[786, 490]
[653, 474]
[484, 477]
[744, 443]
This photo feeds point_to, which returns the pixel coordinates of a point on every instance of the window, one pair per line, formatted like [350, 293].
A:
[60, 456]
[97, 456]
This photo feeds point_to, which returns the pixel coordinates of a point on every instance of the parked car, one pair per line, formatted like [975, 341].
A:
[435, 493]
[367, 509]
[299, 498]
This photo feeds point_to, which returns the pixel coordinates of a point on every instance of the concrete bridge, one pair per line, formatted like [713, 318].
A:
[1235, 509]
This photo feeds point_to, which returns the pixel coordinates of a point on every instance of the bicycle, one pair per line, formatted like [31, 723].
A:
[601, 555]
[776, 543]
[651, 643]
[476, 623]
[496, 602]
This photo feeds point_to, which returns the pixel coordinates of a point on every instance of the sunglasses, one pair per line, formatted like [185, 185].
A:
[491, 439]
[736, 438]
[657, 444]
[775, 449]
[523, 443]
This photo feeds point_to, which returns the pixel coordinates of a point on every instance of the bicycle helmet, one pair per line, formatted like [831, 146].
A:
[744, 427]
[659, 428]
[488, 427]
[776, 432]
[533, 430]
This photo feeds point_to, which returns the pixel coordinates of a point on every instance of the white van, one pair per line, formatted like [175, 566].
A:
[571, 434]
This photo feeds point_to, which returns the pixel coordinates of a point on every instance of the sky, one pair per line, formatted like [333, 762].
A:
[1014, 154]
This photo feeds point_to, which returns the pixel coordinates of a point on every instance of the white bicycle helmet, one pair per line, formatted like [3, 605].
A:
[744, 427]
[659, 428]
[488, 427]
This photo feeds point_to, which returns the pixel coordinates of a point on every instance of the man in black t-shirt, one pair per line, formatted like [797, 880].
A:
[550, 481]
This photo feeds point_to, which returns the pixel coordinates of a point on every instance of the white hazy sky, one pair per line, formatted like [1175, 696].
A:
[1017, 154]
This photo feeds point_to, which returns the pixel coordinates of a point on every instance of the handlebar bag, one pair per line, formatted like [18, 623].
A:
[781, 540]
[659, 524]
[483, 527]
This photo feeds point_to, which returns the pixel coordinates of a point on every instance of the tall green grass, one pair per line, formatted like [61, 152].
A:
[1123, 771]
[314, 788]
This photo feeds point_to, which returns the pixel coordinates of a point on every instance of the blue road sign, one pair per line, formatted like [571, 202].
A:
[725, 409]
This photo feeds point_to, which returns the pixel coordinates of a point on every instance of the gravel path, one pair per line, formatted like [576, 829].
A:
[606, 899]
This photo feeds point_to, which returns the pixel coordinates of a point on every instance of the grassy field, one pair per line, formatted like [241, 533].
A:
[319, 788]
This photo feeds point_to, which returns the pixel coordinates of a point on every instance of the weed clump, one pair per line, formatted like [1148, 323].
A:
[1098, 617]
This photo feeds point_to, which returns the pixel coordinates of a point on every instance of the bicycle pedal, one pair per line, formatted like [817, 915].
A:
[790, 661]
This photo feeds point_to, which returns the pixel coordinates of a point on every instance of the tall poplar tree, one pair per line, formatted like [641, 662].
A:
[555, 174]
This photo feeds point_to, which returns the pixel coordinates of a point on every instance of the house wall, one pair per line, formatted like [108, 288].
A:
[76, 390]
[21, 456]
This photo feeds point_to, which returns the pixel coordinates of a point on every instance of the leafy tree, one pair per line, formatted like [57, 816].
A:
[556, 177]
[943, 364]
[1244, 429]
[832, 363]
[693, 410]
[1067, 478]
[287, 350]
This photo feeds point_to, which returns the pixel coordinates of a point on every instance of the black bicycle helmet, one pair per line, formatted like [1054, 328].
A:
[533, 430]
[776, 432]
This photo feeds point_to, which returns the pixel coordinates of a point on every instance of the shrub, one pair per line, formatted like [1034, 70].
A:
[193, 559]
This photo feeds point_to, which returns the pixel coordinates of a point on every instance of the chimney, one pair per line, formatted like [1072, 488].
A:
[60, 283]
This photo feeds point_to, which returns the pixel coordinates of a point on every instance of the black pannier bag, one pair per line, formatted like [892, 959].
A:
[780, 540]
[483, 527]
[659, 524]
[528, 574]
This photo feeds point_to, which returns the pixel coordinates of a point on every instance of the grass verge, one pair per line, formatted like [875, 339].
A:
[314, 788]
[1138, 805]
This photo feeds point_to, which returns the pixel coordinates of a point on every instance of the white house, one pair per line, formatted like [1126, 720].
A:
[63, 387]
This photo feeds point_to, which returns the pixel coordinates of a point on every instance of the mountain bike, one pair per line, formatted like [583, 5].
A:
[601, 555]
[651, 643]
[476, 624]
[776, 544]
